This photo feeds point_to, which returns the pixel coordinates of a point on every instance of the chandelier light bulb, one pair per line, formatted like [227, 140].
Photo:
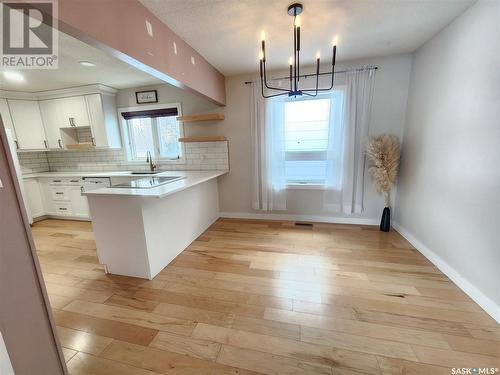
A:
[290, 60]
[263, 35]
[297, 21]
[261, 55]
[318, 54]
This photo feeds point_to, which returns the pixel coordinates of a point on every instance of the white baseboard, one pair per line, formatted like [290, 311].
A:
[306, 218]
[486, 303]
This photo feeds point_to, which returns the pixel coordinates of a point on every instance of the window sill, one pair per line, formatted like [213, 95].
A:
[305, 187]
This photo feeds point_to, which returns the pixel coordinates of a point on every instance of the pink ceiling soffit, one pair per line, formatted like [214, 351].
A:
[120, 27]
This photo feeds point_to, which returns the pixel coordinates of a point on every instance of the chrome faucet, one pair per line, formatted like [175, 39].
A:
[149, 159]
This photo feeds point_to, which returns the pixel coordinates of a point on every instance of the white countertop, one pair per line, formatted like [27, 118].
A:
[91, 174]
[192, 178]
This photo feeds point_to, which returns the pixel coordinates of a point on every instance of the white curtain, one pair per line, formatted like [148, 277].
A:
[345, 155]
[268, 151]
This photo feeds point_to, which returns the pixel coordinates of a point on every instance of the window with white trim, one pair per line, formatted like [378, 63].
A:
[155, 130]
[307, 129]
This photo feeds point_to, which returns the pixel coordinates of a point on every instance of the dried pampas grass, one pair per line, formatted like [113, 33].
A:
[383, 155]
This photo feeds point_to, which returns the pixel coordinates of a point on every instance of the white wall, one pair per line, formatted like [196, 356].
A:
[448, 199]
[388, 115]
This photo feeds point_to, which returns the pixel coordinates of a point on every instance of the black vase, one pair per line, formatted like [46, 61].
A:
[385, 222]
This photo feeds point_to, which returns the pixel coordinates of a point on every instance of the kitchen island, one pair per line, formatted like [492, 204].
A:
[139, 231]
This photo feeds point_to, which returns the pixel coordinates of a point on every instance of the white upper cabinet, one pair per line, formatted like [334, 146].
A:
[73, 111]
[60, 119]
[6, 119]
[65, 112]
[95, 111]
[103, 116]
[28, 124]
[52, 122]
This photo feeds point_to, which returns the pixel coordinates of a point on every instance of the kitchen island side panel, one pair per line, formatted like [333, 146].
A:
[172, 223]
[118, 227]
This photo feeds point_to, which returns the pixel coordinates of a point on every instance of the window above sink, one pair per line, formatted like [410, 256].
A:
[152, 128]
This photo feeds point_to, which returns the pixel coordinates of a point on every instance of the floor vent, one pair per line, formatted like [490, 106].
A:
[299, 224]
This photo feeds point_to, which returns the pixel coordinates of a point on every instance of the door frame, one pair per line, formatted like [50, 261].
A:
[27, 319]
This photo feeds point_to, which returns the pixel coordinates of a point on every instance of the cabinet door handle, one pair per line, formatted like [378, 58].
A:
[56, 180]
[60, 143]
[59, 193]
[45, 144]
[73, 181]
[17, 145]
[93, 141]
[72, 121]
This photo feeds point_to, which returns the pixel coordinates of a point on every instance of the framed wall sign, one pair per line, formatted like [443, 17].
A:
[150, 96]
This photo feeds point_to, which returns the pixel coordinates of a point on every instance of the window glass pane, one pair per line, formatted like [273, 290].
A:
[141, 137]
[310, 171]
[307, 124]
[168, 137]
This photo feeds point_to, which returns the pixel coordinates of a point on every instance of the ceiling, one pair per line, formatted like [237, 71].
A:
[108, 71]
[227, 32]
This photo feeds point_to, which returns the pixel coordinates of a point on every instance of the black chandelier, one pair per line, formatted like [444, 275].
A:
[294, 10]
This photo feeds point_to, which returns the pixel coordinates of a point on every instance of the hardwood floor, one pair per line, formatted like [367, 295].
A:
[252, 297]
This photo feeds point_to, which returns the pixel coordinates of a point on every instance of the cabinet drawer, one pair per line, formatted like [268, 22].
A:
[67, 181]
[56, 181]
[59, 194]
[75, 181]
[63, 209]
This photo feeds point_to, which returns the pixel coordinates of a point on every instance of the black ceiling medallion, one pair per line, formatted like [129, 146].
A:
[294, 10]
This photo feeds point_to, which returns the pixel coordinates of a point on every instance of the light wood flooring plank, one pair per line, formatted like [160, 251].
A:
[105, 327]
[166, 362]
[378, 331]
[267, 363]
[192, 346]
[308, 353]
[86, 364]
[134, 317]
[82, 341]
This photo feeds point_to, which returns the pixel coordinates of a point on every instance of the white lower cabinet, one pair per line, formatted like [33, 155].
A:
[34, 197]
[63, 197]
[48, 203]
[79, 204]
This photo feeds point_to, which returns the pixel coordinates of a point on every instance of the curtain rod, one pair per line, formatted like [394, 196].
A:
[321, 74]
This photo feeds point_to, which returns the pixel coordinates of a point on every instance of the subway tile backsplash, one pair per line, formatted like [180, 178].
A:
[33, 162]
[198, 156]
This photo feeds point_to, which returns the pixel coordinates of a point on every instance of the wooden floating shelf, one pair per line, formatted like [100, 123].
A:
[203, 139]
[202, 117]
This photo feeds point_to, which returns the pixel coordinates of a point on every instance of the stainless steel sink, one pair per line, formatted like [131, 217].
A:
[148, 182]
[139, 173]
